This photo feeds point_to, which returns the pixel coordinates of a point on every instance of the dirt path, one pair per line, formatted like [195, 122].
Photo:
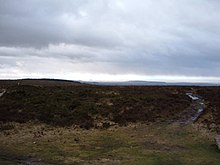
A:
[191, 114]
[2, 92]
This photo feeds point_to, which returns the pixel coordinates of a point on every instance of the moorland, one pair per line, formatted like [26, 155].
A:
[65, 122]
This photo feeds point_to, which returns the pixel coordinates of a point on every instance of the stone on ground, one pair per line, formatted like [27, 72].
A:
[217, 141]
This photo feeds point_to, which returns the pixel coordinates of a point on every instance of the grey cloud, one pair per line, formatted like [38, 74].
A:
[147, 37]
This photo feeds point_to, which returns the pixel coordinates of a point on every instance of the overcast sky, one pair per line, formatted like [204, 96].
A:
[164, 40]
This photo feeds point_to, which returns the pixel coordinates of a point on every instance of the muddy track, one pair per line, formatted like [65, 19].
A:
[193, 112]
[2, 92]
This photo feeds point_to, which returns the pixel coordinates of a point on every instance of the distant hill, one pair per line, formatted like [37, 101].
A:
[151, 83]
[60, 82]
[39, 82]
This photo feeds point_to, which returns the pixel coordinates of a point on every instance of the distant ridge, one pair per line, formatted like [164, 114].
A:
[39, 82]
[49, 79]
[151, 83]
[62, 82]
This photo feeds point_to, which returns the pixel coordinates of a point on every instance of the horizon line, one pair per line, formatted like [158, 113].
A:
[110, 81]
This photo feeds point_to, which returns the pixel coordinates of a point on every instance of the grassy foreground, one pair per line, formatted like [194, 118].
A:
[153, 143]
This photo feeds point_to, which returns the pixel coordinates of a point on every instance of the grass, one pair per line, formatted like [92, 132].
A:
[133, 144]
[6, 126]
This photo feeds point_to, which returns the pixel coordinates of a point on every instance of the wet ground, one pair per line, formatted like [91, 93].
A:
[192, 113]
[2, 92]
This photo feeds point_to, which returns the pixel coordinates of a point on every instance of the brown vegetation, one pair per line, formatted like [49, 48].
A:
[211, 117]
[86, 105]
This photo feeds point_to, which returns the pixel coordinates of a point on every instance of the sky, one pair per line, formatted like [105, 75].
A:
[110, 40]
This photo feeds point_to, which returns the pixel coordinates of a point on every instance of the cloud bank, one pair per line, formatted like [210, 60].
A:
[140, 39]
